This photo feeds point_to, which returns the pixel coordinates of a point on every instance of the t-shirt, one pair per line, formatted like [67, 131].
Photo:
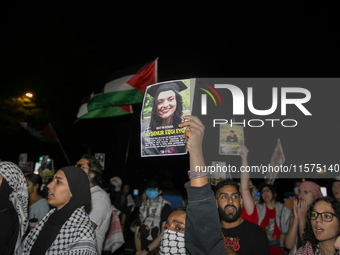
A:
[254, 217]
[270, 226]
[247, 239]
[39, 209]
[100, 214]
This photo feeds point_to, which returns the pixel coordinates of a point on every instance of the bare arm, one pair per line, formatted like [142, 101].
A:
[290, 239]
[155, 243]
[248, 201]
[137, 240]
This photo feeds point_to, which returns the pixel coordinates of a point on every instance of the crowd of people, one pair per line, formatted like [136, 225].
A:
[79, 214]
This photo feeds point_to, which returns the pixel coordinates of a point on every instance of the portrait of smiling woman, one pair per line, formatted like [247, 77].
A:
[167, 104]
[163, 108]
[66, 228]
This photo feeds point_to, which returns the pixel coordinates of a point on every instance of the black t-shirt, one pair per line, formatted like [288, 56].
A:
[247, 238]
[166, 211]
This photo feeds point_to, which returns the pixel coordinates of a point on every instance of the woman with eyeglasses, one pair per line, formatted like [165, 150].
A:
[308, 192]
[322, 228]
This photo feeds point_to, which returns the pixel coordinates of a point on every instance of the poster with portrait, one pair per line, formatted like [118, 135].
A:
[231, 137]
[276, 160]
[163, 106]
[22, 162]
[217, 174]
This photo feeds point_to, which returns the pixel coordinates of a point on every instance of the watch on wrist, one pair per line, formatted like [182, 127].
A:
[147, 249]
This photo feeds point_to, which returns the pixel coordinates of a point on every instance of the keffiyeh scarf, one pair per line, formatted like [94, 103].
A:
[76, 236]
[172, 243]
[150, 215]
[19, 197]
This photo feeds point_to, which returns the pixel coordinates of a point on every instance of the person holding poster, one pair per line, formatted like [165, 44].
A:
[162, 135]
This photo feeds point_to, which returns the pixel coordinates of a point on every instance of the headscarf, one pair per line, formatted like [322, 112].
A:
[19, 196]
[312, 187]
[78, 183]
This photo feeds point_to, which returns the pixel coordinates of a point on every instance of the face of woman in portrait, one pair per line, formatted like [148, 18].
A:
[59, 193]
[305, 195]
[166, 104]
[323, 230]
[176, 221]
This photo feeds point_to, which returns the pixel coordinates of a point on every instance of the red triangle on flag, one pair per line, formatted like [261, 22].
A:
[144, 77]
[127, 108]
[47, 133]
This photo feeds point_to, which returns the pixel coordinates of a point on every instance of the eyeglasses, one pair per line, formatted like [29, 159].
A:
[81, 166]
[325, 216]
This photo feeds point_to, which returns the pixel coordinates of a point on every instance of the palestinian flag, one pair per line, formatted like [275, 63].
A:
[45, 135]
[124, 88]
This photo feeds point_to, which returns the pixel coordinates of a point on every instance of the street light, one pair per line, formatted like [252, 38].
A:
[30, 95]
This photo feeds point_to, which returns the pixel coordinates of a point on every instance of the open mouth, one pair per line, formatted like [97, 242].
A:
[230, 209]
[319, 230]
[50, 195]
[164, 111]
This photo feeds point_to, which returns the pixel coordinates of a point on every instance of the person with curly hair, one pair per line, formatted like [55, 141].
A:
[322, 228]
[308, 192]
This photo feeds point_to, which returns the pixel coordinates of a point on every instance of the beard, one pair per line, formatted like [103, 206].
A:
[228, 217]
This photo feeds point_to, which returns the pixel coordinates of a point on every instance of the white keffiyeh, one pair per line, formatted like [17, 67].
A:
[19, 197]
[150, 215]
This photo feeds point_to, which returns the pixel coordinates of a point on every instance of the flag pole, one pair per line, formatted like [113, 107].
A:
[61, 147]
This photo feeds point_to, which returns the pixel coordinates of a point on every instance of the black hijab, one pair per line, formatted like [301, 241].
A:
[79, 185]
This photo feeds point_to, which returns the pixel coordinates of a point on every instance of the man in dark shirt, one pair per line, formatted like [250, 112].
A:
[240, 235]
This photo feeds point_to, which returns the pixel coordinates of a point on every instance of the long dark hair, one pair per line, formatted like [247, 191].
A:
[309, 234]
[36, 179]
[156, 121]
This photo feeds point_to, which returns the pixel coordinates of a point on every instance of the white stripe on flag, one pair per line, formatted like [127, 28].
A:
[118, 84]
[82, 110]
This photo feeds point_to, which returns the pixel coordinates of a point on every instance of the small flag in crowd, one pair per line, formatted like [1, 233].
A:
[125, 87]
[45, 135]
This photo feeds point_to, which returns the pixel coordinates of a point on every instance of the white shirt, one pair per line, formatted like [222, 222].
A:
[100, 214]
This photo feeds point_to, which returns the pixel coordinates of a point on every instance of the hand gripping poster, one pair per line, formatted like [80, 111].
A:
[231, 136]
[164, 106]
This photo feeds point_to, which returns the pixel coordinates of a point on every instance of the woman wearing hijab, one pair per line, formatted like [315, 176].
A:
[308, 192]
[67, 228]
[13, 207]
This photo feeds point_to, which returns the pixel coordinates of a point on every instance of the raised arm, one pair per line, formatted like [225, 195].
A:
[194, 133]
[248, 201]
[202, 216]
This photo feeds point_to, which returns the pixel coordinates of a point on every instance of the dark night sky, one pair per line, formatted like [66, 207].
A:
[61, 53]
